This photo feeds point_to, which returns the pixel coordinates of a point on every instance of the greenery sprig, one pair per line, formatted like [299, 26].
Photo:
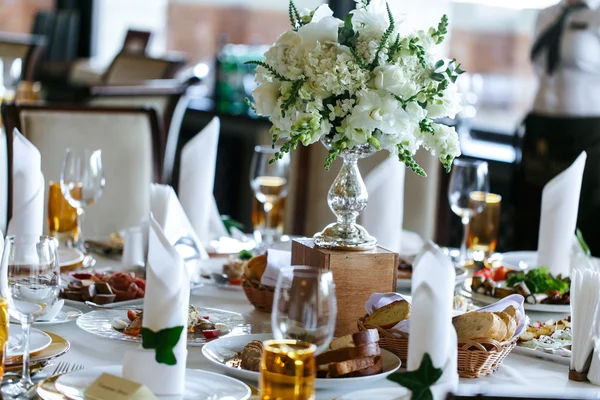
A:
[405, 156]
[426, 126]
[295, 18]
[268, 68]
[384, 39]
[417, 50]
[442, 30]
[394, 48]
[293, 96]
[286, 147]
[347, 36]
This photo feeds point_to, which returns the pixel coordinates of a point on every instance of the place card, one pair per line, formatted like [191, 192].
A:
[111, 387]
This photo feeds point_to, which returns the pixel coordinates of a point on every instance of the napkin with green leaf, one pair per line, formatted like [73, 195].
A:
[160, 363]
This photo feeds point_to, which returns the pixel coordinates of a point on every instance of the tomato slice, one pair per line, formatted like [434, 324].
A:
[131, 315]
[211, 334]
[500, 274]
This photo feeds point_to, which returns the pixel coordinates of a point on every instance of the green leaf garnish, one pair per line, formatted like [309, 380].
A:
[245, 255]
[582, 243]
[419, 381]
[231, 223]
[539, 280]
[163, 342]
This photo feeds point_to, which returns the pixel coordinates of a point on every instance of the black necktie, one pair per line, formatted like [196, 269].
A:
[550, 39]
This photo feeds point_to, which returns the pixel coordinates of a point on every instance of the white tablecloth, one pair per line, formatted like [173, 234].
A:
[518, 375]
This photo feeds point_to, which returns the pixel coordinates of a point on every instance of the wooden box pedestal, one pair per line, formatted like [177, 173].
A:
[357, 275]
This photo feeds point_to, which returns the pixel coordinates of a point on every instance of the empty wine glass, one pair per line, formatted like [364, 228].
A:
[82, 181]
[304, 306]
[468, 177]
[30, 281]
[269, 181]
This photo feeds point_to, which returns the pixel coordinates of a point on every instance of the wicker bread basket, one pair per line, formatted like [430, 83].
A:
[260, 296]
[475, 358]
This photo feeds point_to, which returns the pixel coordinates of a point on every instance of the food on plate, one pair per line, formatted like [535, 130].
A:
[553, 337]
[104, 288]
[474, 325]
[251, 355]
[536, 285]
[389, 315]
[197, 324]
[460, 303]
[352, 355]
[405, 269]
[348, 356]
[235, 266]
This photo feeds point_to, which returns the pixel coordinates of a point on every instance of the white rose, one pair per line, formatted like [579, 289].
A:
[323, 31]
[265, 98]
[374, 16]
[446, 106]
[321, 12]
[378, 110]
[387, 76]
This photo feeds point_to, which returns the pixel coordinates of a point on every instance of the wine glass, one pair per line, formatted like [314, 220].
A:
[468, 177]
[30, 282]
[304, 306]
[269, 181]
[82, 181]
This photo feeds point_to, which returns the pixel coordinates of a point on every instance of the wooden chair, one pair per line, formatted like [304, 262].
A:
[167, 96]
[28, 48]
[136, 42]
[132, 148]
[127, 68]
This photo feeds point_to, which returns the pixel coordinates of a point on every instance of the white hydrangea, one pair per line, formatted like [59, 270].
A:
[322, 79]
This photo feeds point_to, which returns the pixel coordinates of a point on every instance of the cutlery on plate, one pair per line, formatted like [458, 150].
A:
[95, 306]
[65, 367]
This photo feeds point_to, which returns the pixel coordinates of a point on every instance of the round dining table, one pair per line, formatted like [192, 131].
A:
[518, 376]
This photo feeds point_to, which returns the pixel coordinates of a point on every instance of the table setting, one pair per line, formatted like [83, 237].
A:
[186, 305]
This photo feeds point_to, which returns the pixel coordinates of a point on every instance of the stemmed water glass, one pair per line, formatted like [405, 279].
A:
[269, 181]
[29, 281]
[468, 177]
[304, 306]
[82, 181]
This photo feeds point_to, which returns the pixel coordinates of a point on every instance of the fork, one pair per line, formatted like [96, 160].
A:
[64, 367]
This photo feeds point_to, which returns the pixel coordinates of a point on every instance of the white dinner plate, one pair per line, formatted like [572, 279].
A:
[397, 393]
[221, 351]
[486, 300]
[199, 385]
[38, 341]
[461, 275]
[519, 259]
[526, 351]
[99, 323]
[66, 314]
[69, 257]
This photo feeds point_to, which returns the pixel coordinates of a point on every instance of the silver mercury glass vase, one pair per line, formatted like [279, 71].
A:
[347, 198]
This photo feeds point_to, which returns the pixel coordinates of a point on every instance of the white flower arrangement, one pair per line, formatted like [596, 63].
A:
[359, 81]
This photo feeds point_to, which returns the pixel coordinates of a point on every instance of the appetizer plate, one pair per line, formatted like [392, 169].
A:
[221, 352]
[99, 323]
[461, 275]
[486, 300]
[537, 353]
[69, 257]
[38, 341]
[199, 385]
[128, 303]
[57, 348]
[394, 393]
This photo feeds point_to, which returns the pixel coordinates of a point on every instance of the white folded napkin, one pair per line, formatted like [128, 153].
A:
[585, 295]
[431, 329]
[171, 217]
[276, 259]
[412, 243]
[166, 305]
[558, 220]
[196, 183]
[384, 214]
[28, 189]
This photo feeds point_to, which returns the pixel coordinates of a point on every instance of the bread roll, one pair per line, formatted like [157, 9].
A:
[389, 315]
[255, 268]
[479, 325]
[511, 324]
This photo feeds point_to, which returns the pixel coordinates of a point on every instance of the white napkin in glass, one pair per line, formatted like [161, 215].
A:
[276, 259]
[196, 183]
[431, 329]
[166, 305]
[384, 214]
[585, 295]
[28, 189]
[558, 221]
[169, 214]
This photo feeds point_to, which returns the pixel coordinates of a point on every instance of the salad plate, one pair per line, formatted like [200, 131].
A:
[101, 323]
[199, 385]
[223, 353]
[38, 341]
[57, 348]
[487, 300]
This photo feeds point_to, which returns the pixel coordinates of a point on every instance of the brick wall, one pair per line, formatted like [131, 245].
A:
[17, 16]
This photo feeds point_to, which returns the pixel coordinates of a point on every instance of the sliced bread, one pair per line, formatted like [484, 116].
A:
[511, 324]
[345, 367]
[355, 339]
[348, 353]
[479, 325]
[377, 368]
[389, 315]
